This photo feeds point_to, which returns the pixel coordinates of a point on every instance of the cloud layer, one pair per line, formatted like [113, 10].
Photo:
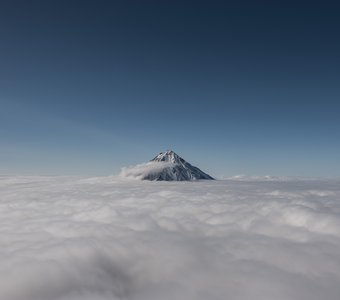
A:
[111, 238]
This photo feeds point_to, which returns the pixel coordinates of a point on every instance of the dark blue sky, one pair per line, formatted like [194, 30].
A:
[235, 87]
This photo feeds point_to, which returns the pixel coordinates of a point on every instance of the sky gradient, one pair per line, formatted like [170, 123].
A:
[234, 87]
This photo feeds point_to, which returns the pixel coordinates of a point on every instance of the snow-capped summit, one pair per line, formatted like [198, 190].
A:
[168, 156]
[174, 168]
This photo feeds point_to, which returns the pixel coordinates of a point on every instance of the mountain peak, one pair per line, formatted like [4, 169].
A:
[166, 166]
[168, 156]
[175, 169]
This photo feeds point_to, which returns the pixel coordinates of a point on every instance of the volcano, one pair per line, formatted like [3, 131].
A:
[168, 166]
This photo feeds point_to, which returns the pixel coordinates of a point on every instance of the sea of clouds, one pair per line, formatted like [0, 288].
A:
[66, 238]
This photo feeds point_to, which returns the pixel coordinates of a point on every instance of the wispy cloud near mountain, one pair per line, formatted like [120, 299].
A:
[148, 169]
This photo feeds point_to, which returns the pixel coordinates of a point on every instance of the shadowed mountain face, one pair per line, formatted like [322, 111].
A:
[175, 169]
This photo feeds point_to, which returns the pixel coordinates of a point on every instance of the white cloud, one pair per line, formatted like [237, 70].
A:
[144, 170]
[64, 238]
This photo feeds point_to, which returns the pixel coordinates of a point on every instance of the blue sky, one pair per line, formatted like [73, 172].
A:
[235, 88]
